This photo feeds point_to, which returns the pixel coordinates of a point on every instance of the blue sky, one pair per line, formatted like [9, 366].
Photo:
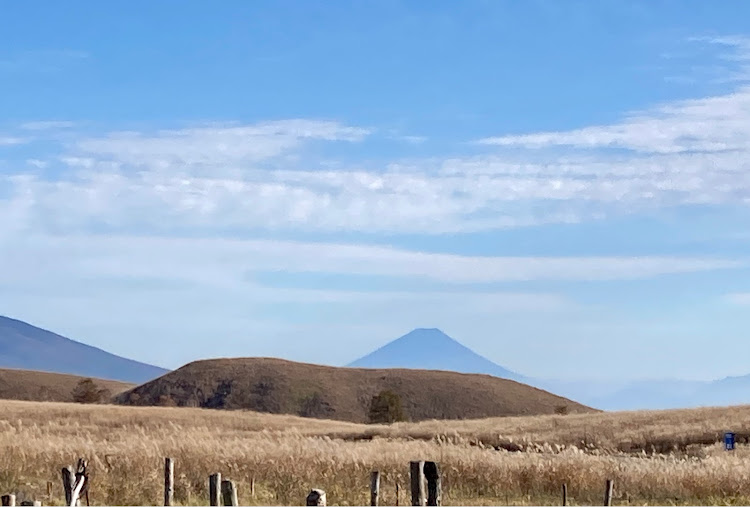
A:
[562, 186]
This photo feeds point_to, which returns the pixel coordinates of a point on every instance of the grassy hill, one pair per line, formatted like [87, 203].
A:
[285, 387]
[42, 386]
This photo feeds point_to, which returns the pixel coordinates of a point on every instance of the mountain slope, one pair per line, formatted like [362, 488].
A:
[654, 394]
[43, 386]
[24, 346]
[286, 387]
[431, 349]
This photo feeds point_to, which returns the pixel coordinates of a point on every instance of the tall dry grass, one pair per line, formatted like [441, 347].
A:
[288, 455]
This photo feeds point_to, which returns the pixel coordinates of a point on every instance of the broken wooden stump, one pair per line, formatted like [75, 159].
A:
[316, 497]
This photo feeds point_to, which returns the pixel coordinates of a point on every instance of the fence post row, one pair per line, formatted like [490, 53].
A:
[421, 474]
[168, 481]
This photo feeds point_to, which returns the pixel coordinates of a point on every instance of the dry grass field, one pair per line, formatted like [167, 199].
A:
[654, 457]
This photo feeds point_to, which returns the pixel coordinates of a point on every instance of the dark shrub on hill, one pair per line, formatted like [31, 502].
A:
[86, 391]
[385, 408]
[316, 406]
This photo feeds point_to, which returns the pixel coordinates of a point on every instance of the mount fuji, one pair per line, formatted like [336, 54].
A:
[431, 349]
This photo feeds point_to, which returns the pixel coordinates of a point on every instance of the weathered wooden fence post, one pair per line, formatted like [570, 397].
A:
[80, 486]
[214, 489]
[68, 479]
[229, 492]
[75, 498]
[168, 481]
[434, 489]
[316, 497]
[416, 473]
[374, 487]
[565, 494]
[398, 490]
[9, 500]
[608, 492]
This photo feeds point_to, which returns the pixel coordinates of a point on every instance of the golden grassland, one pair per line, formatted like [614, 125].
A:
[670, 457]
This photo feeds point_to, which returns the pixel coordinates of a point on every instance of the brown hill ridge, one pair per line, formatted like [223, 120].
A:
[286, 387]
[31, 385]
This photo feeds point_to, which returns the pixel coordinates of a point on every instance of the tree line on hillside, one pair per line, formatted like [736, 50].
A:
[385, 407]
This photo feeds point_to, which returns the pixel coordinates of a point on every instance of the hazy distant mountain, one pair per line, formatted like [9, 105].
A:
[431, 349]
[24, 346]
[653, 394]
[626, 395]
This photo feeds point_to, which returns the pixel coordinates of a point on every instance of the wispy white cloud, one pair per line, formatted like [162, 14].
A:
[39, 164]
[412, 139]
[429, 196]
[47, 125]
[217, 145]
[12, 141]
[712, 124]
[738, 55]
[739, 298]
[227, 263]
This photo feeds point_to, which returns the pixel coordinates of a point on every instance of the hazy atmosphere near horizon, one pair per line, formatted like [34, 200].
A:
[563, 187]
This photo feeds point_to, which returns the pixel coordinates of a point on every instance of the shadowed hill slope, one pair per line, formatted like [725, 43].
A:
[28, 347]
[43, 386]
[285, 387]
